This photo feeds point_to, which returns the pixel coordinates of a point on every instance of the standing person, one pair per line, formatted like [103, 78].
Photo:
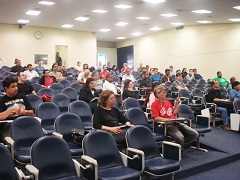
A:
[98, 83]
[166, 77]
[221, 80]
[128, 90]
[58, 59]
[58, 75]
[39, 68]
[30, 73]
[190, 75]
[47, 80]
[24, 88]
[78, 67]
[128, 75]
[155, 77]
[88, 93]
[115, 70]
[17, 68]
[184, 73]
[162, 109]
[104, 72]
[82, 77]
[178, 84]
[108, 118]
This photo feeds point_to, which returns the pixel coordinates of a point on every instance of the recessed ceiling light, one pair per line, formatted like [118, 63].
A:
[121, 24]
[237, 7]
[202, 11]
[143, 18]
[48, 3]
[154, 1]
[104, 30]
[33, 12]
[23, 21]
[235, 19]
[136, 34]
[81, 18]
[204, 22]
[177, 24]
[123, 6]
[99, 11]
[121, 38]
[155, 28]
[67, 26]
[168, 15]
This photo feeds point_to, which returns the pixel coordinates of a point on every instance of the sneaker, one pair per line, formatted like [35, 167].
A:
[227, 128]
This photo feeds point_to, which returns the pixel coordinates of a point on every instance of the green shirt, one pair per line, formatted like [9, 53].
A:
[221, 81]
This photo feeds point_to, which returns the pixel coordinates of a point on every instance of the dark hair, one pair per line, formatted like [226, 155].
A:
[8, 81]
[93, 73]
[213, 82]
[114, 67]
[194, 69]
[190, 70]
[108, 75]
[166, 70]
[235, 83]
[218, 72]
[104, 97]
[149, 93]
[184, 69]
[85, 65]
[54, 65]
[39, 60]
[45, 71]
[88, 82]
[178, 74]
[155, 69]
[145, 72]
[29, 65]
[126, 84]
[18, 73]
[171, 66]
[232, 79]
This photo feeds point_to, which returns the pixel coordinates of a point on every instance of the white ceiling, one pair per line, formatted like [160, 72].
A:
[65, 12]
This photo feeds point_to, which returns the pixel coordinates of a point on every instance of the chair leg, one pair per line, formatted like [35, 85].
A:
[197, 147]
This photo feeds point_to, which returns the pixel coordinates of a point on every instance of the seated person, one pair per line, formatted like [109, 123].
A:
[128, 90]
[108, 118]
[232, 79]
[55, 72]
[63, 70]
[12, 105]
[108, 85]
[98, 83]
[104, 72]
[30, 73]
[24, 88]
[146, 81]
[166, 77]
[17, 67]
[235, 91]
[83, 76]
[128, 75]
[190, 75]
[151, 97]
[47, 80]
[155, 77]
[88, 93]
[162, 109]
[178, 84]
[214, 96]
[221, 80]
[196, 75]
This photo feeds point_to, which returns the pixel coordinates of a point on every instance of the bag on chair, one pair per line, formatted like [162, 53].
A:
[78, 135]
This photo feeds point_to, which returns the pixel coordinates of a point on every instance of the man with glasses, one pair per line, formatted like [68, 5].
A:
[55, 73]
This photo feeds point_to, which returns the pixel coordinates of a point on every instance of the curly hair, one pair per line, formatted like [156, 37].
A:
[104, 97]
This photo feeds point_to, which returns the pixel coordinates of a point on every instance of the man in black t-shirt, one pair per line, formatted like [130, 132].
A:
[24, 88]
[17, 68]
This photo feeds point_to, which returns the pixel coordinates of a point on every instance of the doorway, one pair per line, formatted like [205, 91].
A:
[62, 49]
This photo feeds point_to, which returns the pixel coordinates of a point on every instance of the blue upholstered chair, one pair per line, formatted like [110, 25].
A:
[71, 93]
[64, 82]
[47, 91]
[62, 101]
[56, 87]
[36, 87]
[34, 100]
[76, 86]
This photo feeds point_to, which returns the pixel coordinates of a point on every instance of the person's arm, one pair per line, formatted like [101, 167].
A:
[8, 112]
[80, 79]
[232, 95]
[122, 118]
[32, 90]
[175, 108]
[28, 108]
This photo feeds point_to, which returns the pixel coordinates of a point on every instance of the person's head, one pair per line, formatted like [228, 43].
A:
[146, 74]
[179, 77]
[86, 73]
[184, 70]
[39, 62]
[18, 63]
[21, 77]
[15, 61]
[190, 71]
[155, 71]
[215, 84]
[171, 68]
[236, 85]
[109, 78]
[114, 67]
[178, 71]
[128, 84]
[232, 79]
[128, 71]
[106, 99]
[154, 85]
[151, 70]
[54, 67]
[57, 54]
[95, 75]
[46, 73]
[194, 71]
[143, 69]
[160, 92]
[29, 66]
[147, 67]
[10, 86]
[140, 65]
[109, 64]
[219, 74]
[167, 72]
[85, 66]
[62, 67]
[89, 83]
[104, 68]
[78, 63]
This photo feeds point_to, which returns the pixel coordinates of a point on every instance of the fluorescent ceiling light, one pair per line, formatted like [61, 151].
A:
[155, 28]
[154, 1]
[136, 34]
[104, 30]
[202, 11]
[48, 3]
[168, 15]
[67, 26]
[237, 7]
[121, 24]
[23, 21]
[81, 18]
[33, 12]
[99, 11]
[143, 18]
[235, 19]
[204, 22]
[121, 38]
[177, 24]
[123, 6]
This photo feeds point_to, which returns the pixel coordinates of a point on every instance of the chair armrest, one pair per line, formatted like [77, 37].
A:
[89, 167]
[171, 150]
[212, 107]
[20, 174]
[33, 170]
[148, 110]
[184, 100]
[203, 121]
[10, 142]
[238, 111]
[39, 119]
[57, 134]
[197, 99]
[77, 167]
[138, 159]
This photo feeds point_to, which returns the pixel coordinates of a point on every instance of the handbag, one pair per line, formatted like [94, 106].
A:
[78, 135]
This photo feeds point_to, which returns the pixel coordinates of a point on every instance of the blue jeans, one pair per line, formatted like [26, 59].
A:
[224, 114]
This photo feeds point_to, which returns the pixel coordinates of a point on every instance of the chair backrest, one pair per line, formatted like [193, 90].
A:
[71, 93]
[207, 90]
[70, 79]
[136, 116]
[7, 170]
[183, 93]
[190, 88]
[101, 146]
[185, 111]
[184, 81]
[116, 79]
[47, 91]
[199, 86]
[56, 87]
[64, 82]
[24, 131]
[197, 92]
[51, 156]
[62, 101]
[36, 87]
[130, 102]
[167, 85]
[35, 80]
[140, 137]
[65, 123]
[236, 105]
[76, 86]
[35, 100]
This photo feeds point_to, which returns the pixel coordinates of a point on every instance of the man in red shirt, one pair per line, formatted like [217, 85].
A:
[125, 67]
[104, 72]
[46, 79]
[162, 109]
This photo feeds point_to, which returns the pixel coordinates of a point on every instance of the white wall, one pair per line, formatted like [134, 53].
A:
[208, 48]
[110, 52]
[21, 44]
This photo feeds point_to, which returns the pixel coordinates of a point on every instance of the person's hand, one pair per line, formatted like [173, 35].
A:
[128, 123]
[177, 102]
[116, 130]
